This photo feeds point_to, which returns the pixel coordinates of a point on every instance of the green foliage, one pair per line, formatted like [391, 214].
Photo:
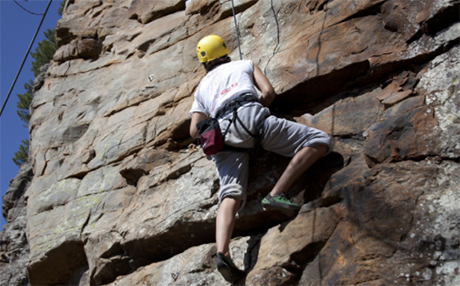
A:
[44, 52]
[61, 8]
[22, 155]
[42, 55]
[24, 101]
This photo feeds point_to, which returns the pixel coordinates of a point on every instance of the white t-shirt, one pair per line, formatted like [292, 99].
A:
[221, 85]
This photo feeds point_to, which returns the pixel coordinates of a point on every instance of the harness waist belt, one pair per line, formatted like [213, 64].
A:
[232, 107]
[236, 103]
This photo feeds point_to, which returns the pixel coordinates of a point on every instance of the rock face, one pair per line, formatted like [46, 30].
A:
[120, 196]
[13, 239]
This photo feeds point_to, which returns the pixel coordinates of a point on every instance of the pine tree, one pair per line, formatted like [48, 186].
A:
[61, 8]
[43, 54]
[22, 155]
[24, 102]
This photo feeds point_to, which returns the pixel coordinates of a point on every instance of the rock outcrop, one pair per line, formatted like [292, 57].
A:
[121, 196]
[14, 245]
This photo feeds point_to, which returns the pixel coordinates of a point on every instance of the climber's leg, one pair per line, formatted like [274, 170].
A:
[224, 224]
[298, 165]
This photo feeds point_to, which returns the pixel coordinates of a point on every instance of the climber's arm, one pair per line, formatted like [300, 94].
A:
[196, 117]
[264, 85]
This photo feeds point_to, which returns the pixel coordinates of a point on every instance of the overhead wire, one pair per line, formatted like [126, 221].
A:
[26, 9]
[25, 57]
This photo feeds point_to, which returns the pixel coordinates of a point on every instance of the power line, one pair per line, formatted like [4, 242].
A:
[26, 9]
[24, 60]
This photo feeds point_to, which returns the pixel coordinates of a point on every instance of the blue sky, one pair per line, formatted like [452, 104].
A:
[17, 28]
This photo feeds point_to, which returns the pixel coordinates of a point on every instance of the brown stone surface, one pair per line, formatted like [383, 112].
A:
[120, 196]
[285, 248]
[146, 11]
[377, 241]
[402, 137]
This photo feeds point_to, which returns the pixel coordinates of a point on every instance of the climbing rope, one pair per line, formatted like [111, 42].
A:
[278, 34]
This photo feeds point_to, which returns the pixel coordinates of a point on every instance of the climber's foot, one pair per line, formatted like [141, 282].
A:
[227, 268]
[280, 203]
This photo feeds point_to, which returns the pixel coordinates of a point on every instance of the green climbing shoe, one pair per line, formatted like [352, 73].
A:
[280, 202]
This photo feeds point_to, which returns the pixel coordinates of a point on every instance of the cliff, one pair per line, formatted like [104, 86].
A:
[116, 194]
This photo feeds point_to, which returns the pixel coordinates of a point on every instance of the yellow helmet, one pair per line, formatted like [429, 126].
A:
[210, 48]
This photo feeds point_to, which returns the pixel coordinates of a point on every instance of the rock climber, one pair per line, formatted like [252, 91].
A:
[225, 83]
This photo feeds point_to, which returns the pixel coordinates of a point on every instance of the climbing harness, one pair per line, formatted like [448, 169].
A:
[232, 107]
[211, 137]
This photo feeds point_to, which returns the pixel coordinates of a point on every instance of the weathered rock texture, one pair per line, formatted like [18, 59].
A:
[120, 197]
[14, 248]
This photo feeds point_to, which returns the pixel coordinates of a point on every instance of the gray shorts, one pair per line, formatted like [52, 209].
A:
[280, 136]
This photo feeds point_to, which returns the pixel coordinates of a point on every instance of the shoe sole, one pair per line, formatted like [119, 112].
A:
[272, 207]
[287, 212]
[229, 274]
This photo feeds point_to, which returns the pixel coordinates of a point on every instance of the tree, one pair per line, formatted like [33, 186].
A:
[22, 155]
[24, 102]
[61, 7]
[43, 54]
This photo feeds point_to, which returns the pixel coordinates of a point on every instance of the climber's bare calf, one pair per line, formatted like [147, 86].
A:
[226, 215]
[224, 223]
[298, 165]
